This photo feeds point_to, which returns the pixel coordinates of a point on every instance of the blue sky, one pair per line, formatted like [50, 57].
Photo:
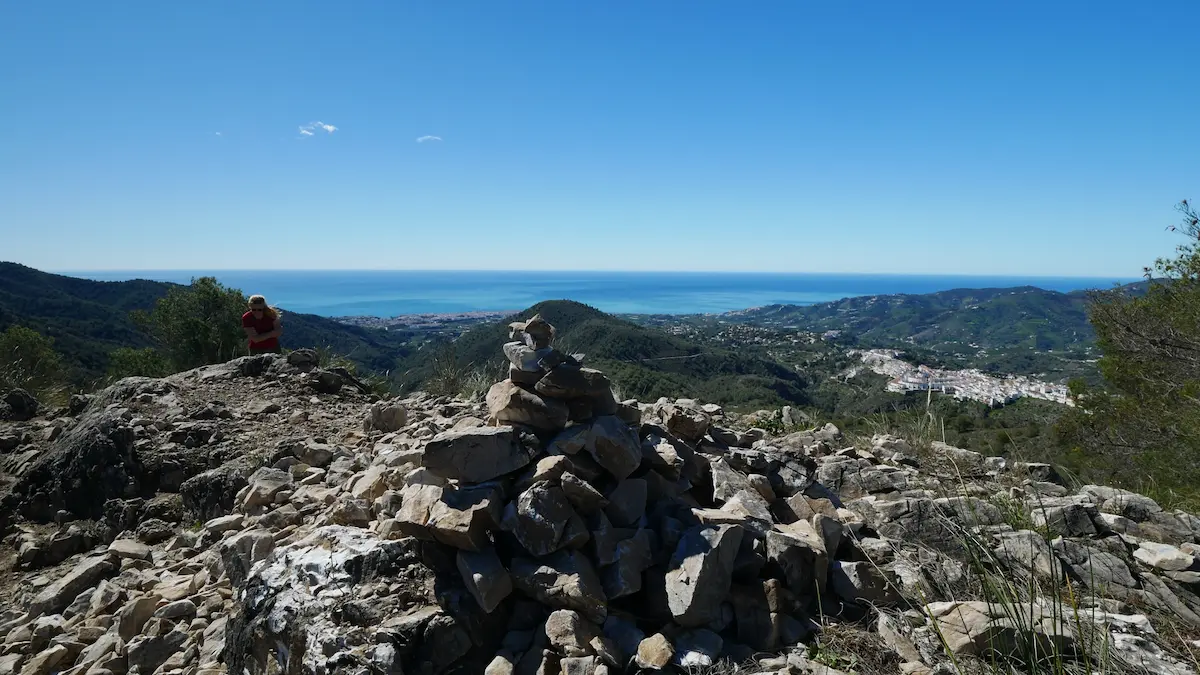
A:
[781, 135]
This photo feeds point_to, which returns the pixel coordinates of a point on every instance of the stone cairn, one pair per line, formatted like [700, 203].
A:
[651, 544]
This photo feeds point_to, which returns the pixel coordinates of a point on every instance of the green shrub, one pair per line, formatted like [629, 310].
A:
[28, 361]
[128, 362]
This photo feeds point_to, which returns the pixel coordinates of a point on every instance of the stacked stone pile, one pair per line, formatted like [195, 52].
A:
[251, 517]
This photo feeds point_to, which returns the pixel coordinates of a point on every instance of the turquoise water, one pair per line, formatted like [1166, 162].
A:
[389, 293]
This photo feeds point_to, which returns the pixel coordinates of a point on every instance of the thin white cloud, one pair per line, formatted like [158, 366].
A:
[424, 139]
[217, 133]
[312, 127]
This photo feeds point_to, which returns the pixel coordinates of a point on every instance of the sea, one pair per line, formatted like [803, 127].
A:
[393, 293]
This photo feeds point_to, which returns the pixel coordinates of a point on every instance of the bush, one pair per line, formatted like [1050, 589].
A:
[197, 325]
[128, 362]
[28, 361]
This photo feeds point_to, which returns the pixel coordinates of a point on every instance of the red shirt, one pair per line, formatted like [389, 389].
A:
[263, 324]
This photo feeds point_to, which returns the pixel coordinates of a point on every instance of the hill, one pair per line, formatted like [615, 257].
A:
[88, 319]
[1019, 330]
[645, 363]
[987, 317]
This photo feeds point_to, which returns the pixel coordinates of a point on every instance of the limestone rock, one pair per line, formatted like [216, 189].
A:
[130, 549]
[627, 502]
[687, 423]
[1163, 556]
[86, 574]
[655, 652]
[463, 518]
[569, 633]
[586, 499]
[800, 552]
[385, 417]
[697, 649]
[475, 454]
[279, 604]
[508, 403]
[614, 446]
[570, 381]
[700, 573]
[540, 517]
[564, 580]
[861, 582]
[486, 579]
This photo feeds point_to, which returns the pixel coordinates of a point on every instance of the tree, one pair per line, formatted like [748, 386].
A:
[28, 361]
[1145, 419]
[198, 324]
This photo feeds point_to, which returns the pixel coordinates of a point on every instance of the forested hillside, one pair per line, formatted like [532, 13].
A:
[645, 363]
[89, 319]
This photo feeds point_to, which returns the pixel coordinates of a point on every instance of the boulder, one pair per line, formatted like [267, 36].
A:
[570, 634]
[475, 454]
[978, 629]
[19, 405]
[523, 358]
[1163, 557]
[570, 381]
[1066, 519]
[325, 381]
[508, 403]
[799, 551]
[84, 575]
[214, 492]
[463, 518]
[279, 604]
[629, 558]
[655, 652]
[265, 484]
[861, 582]
[697, 649]
[586, 499]
[385, 417]
[687, 423]
[485, 577]
[627, 502]
[240, 552]
[563, 580]
[614, 446]
[700, 573]
[542, 520]
[91, 463]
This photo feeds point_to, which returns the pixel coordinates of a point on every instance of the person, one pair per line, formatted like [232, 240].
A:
[262, 326]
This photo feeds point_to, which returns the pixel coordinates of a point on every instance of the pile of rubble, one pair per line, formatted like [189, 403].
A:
[259, 517]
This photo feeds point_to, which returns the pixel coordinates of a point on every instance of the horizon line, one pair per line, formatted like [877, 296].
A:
[1002, 275]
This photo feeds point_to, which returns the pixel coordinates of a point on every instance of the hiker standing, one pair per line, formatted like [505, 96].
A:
[262, 327]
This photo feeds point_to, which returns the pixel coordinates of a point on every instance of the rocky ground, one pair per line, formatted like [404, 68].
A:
[265, 516]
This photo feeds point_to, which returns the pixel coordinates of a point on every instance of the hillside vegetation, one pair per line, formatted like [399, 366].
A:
[87, 320]
[644, 363]
[986, 317]
[1024, 330]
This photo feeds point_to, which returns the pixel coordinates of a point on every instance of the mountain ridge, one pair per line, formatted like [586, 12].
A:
[88, 319]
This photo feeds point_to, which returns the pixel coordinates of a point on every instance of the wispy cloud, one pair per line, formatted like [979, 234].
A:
[425, 139]
[217, 133]
[313, 127]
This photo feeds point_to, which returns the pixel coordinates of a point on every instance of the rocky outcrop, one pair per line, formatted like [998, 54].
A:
[242, 519]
